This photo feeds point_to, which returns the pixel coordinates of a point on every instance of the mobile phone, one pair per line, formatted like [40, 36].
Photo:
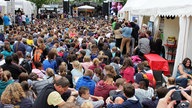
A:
[176, 95]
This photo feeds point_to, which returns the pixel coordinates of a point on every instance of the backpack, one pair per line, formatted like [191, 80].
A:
[37, 55]
[151, 78]
[26, 66]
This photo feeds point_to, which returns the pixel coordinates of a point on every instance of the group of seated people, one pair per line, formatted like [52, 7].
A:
[82, 72]
[55, 90]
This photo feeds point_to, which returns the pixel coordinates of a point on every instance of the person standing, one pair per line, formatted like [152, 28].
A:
[23, 17]
[1, 19]
[1, 23]
[27, 20]
[135, 32]
[118, 35]
[6, 21]
[126, 33]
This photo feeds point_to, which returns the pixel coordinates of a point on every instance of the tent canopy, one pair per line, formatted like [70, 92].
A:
[182, 9]
[158, 7]
[3, 3]
[86, 7]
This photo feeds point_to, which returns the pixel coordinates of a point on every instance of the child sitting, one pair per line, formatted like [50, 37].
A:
[84, 96]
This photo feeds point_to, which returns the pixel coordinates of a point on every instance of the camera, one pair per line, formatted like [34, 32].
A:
[183, 105]
[176, 95]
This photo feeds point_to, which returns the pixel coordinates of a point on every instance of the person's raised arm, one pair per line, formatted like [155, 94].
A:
[166, 101]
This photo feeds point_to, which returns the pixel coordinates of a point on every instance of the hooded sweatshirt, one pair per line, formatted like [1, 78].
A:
[103, 89]
[4, 84]
[87, 82]
[132, 102]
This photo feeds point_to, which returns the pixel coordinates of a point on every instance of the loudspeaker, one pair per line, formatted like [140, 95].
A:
[66, 6]
[105, 8]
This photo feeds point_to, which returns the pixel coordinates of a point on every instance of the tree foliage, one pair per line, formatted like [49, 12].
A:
[39, 3]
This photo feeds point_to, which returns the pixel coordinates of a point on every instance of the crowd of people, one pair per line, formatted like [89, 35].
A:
[90, 63]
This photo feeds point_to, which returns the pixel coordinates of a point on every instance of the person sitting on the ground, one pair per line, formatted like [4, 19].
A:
[29, 93]
[14, 69]
[184, 73]
[108, 69]
[116, 64]
[39, 70]
[143, 74]
[98, 75]
[80, 55]
[152, 103]
[94, 51]
[19, 45]
[131, 102]
[84, 96]
[63, 72]
[50, 95]
[119, 91]
[103, 87]
[14, 97]
[7, 50]
[77, 72]
[86, 62]
[149, 74]
[96, 64]
[86, 81]
[6, 79]
[38, 84]
[144, 91]
[171, 83]
[50, 62]
[127, 70]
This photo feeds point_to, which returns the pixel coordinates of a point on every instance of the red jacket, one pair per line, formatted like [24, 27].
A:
[92, 67]
[128, 74]
[103, 89]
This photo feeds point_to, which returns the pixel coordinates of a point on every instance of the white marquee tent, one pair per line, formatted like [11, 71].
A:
[27, 6]
[3, 4]
[181, 9]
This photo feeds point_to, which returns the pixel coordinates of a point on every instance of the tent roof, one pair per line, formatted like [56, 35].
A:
[86, 7]
[3, 3]
[159, 7]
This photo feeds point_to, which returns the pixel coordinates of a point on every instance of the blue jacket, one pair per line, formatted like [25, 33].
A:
[87, 82]
[6, 20]
[126, 32]
[50, 64]
[126, 104]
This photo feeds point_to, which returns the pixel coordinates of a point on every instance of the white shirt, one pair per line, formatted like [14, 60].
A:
[142, 94]
[23, 18]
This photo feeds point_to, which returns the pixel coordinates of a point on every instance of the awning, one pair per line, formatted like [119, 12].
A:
[86, 7]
